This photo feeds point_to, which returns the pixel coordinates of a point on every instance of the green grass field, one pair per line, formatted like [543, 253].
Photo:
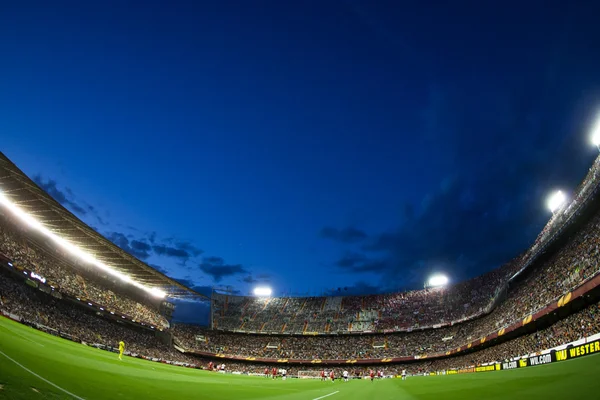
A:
[34, 365]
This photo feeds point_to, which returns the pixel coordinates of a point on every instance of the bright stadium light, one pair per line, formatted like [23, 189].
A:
[76, 251]
[596, 134]
[556, 201]
[438, 280]
[262, 291]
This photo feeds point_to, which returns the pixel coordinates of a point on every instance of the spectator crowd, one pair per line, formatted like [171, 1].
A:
[61, 317]
[566, 269]
[55, 269]
[405, 324]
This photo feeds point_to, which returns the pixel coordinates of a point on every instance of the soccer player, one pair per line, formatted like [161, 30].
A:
[345, 374]
[322, 375]
[283, 374]
[372, 375]
[332, 376]
[266, 372]
[210, 366]
[274, 371]
[403, 374]
[121, 349]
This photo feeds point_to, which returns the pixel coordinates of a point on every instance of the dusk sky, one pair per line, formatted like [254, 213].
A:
[309, 145]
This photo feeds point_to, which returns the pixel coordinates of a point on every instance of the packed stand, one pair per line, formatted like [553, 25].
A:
[391, 312]
[568, 268]
[14, 245]
[582, 324]
[404, 310]
[65, 319]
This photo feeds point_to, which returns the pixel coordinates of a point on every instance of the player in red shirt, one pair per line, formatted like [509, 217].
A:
[332, 376]
[323, 375]
[210, 366]
[266, 372]
[372, 375]
[274, 371]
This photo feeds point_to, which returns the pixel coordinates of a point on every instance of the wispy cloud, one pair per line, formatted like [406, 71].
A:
[218, 269]
[67, 198]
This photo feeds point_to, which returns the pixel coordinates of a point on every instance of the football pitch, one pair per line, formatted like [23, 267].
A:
[34, 365]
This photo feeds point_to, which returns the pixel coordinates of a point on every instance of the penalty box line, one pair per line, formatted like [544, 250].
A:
[327, 395]
[41, 377]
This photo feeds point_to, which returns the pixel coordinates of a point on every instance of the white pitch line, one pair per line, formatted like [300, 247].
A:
[42, 378]
[327, 395]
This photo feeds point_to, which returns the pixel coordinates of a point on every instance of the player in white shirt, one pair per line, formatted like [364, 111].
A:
[403, 374]
[345, 374]
[283, 374]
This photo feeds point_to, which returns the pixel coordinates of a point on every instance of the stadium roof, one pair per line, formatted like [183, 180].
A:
[29, 197]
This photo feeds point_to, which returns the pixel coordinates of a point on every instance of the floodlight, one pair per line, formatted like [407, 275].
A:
[262, 291]
[438, 280]
[76, 251]
[556, 201]
[596, 134]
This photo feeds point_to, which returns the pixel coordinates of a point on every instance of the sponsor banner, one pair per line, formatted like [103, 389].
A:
[539, 360]
[577, 351]
[510, 365]
[486, 368]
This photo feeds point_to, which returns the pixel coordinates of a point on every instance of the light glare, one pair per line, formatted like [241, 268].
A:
[438, 280]
[262, 291]
[596, 134]
[556, 200]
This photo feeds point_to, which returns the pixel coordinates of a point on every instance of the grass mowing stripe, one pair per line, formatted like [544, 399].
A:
[327, 395]
[42, 378]
[21, 335]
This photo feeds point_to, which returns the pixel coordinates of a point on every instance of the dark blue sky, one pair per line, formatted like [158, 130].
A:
[311, 145]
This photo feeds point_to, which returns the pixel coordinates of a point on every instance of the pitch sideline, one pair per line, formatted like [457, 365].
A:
[41, 377]
[327, 395]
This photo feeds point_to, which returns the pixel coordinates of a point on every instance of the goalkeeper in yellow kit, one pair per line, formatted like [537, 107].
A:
[121, 349]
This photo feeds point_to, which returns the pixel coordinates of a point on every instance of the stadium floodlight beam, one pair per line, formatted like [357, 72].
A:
[438, 280]
[76, 251]
[596, 134]
[556, 201]
[262, 291]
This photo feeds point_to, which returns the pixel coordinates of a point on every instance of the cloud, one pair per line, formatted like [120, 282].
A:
[249, 279]
[143, 247]
[136, 248]
[164, 250]
[180, 250]
[503, 153]
[217, 269]
[189, 247]
[360, 263]
[360, 288]
[159, 268]
[345, 235]
[140, 246]
[65, 198]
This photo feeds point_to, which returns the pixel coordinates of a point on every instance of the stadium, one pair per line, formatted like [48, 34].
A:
[69, 296]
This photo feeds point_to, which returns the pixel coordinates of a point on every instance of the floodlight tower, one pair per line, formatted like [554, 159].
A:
[437, 280]
[263, 291]
[595, 136]
[556, 200]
